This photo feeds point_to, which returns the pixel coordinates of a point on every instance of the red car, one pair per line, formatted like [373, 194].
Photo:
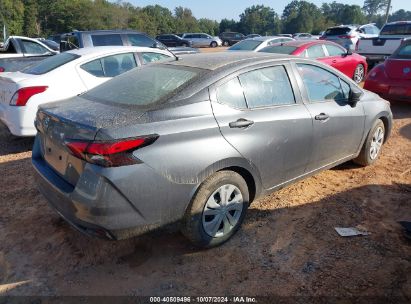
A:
[352, 65]
[392, 79]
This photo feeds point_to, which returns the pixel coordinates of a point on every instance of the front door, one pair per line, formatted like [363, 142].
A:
[259, 115]
[338, 127]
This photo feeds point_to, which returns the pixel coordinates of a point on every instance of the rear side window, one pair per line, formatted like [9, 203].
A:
[334, 50]
[267, 87]
[231, 94]
[110, 39]
[144, 86]
[110, 66]
[245, 45]
[337, 31]
[315, 51]
[31, 47]
[396, 29]
[320, 84]
[404, 52]
[50, 63]
[140, 40]
[153, 57]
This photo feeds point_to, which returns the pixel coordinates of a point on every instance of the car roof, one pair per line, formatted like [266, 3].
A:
[265, 38]
[214, 61]
[300, 43]
[398, 22]
[101, 50]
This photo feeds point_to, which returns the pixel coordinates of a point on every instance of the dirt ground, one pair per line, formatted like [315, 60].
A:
[287, 245]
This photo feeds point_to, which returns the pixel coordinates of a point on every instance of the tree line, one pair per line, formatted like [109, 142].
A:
[40, 18]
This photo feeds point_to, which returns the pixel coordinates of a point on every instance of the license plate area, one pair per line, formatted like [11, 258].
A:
[55, 156]
[398, 91]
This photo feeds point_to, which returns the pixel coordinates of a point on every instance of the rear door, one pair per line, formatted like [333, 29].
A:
[337, 58]
[261, 116]
[338, 127]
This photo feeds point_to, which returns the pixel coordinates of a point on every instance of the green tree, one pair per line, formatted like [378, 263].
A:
[185, 21]
[400, 15]
[12, 15]
[338, 13]
[161, 17]
[208, 26]
[374, 7]
[228, 26]
[31, 26]
[303, 16]
[259, 19]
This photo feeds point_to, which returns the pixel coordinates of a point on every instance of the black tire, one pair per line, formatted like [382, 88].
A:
[364, 158]
[359, 73]
[193, 227]
[184, 45]
[226, 43]
[213, 44]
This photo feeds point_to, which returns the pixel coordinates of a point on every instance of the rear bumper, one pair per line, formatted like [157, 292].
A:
[98, 207]
[19, 120]
[390, 89]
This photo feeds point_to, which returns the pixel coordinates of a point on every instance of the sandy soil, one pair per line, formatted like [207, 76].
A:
[287, 245]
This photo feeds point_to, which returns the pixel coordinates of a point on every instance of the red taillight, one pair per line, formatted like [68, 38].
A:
[346, 37]
[23, 95]
[109, 153]
[2, 69]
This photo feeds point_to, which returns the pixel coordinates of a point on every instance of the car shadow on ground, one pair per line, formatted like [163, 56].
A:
[400, 109]
[278, 251]
[10, 144]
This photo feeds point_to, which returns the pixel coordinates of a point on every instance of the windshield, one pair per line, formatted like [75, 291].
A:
[50, 63]
[396, 29]
[279, 49]
[143, 86]
[245, 45]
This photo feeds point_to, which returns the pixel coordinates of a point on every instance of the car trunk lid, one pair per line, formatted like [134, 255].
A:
[75, 119]
[398, 68]
[9, 84]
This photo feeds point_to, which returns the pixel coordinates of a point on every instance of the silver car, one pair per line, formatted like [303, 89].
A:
[349, 35]
[257, 43]
[194, 141]
[202, 40]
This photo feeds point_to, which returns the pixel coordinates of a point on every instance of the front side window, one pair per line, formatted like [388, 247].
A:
[267, 87]
[231, 94]
[334, 50]
[320, 84]
[315, 52]
[153, 57]
[31, 47]
[110, 39]
[140, 40]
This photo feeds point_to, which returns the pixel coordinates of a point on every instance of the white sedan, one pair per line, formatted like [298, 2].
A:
[62, 76]
[257, 43]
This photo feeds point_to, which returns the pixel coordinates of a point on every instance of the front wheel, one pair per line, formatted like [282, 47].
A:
[217, 210]
[359, 73]
[213, 44]
[372, 145]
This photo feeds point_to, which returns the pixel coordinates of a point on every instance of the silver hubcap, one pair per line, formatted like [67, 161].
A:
[359, 73]
[222, 210]
[376, 142]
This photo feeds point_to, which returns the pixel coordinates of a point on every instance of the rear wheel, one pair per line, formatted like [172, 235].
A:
[372, 145]
[213, 44]
[217, 210]
[226, 43]
[359, 73]
[184, 45]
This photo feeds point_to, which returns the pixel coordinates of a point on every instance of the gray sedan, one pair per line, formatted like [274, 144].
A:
[195, 141]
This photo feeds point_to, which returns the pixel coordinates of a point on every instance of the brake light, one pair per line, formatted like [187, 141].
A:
[109, 153]
[2, 69]
[22, 96]
[346, 37]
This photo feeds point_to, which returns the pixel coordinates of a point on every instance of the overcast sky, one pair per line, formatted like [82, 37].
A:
[231, 9]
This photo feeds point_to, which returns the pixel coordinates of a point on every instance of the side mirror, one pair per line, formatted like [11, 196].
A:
[355, 96]
[348, 53]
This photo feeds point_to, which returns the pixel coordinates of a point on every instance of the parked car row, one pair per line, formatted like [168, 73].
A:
[131, 139]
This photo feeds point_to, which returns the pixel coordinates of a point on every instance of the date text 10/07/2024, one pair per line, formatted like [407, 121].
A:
[238, 299]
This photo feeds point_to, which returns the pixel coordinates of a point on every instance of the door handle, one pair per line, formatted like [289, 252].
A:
[241, 123]
[322, 116]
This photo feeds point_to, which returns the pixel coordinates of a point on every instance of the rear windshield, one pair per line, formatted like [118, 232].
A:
[50, 63]
[245, 45]
[403, 52]
[279, 49]
[335, 31]
[396, 29]
[109, 39]
[143, 86]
